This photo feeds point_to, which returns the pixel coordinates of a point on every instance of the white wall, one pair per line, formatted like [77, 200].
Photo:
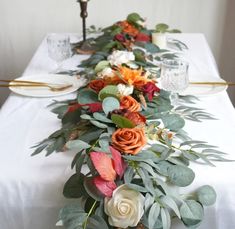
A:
[23, 23]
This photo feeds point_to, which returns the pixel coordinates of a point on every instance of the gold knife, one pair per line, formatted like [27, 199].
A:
[213, 83]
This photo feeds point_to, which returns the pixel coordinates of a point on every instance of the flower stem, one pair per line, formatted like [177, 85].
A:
[88, 215]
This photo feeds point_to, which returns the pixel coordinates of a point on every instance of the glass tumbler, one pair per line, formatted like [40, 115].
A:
[174, 77]
[59, 48]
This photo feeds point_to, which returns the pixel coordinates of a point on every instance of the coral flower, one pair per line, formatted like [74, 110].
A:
[129, 103]
[143, 37]
[108, 169]
[97, 85]
[129, 76]
[128, 28]
[129, 141]
[136, 118]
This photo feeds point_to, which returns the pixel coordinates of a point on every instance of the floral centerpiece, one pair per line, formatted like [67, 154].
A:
[132, 154]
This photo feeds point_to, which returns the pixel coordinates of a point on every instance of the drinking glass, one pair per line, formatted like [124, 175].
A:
[58, 49]
[174, 77]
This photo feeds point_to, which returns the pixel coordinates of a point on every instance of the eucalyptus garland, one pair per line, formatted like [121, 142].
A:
[131, 152]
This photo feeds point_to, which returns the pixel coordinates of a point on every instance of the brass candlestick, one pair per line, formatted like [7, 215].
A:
[84, 14]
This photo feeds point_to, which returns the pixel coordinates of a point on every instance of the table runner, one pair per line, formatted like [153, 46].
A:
[31, 187]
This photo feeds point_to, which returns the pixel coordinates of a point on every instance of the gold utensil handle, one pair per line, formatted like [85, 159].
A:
[28, 82]
[23, 85]
[61, 88]
[214, 83]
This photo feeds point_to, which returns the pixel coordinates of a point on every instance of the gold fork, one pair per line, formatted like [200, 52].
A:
[214, 83]
[29, 82]
[52, 88]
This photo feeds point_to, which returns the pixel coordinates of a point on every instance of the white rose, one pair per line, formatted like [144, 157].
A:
[121, 57]
[106, 72]
[125, 89]
[125, 208]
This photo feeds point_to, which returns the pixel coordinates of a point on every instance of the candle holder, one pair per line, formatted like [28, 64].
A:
[84, 14]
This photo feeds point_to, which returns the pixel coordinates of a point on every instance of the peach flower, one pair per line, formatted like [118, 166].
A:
[129, 103]
[136, 118]
[129, 141]
[97, 85]
[128, 28]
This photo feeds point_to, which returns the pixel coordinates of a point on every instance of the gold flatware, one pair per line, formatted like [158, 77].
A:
[213, 83]
[28, 82]
[52, 88]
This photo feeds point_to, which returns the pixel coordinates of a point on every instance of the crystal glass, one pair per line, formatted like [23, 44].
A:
[58, 49]
[174, 77]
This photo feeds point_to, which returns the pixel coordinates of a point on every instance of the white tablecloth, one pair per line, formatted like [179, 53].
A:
[31, 187]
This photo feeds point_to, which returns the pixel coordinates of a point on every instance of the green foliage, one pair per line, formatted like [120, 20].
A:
[91, 189]
[86, 96]
[192, 213]
[121, 121]
[161, 28]
[157, 170]
[77, 145]
[96, 222]
[164, 28]
[94, 59]
[74, 188]
[134, 18]
[206, 195]
[173, 122]
[73, 216]
[154, 212]
[108, 91]
[72, 117]
[109, 104]
[101, 65]
[180, 175]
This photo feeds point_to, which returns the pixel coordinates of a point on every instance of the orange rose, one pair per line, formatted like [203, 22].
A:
[97, 85]
[129, 103]
[128, 28]
[129, 141]
[136, 118]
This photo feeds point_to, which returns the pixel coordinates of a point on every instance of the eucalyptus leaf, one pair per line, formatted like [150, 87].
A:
[153, 215]
[101, 117]
[60, 111]
[74, 188]
[161, 28]
[91, 189]
[91, 135]
[101, 65]
[173, 122]
[77, 145]
[104, 143]
[206, 195]
[134, 17]
[73, 216]
[166, 219]
[87, 96]
[180, 175]
[99, 124]
[129, 174]
[137, 188]
[192, 213]
[108, 91]
[72, 117]
[169, 202]
[96, 222]
[149, 200]
[122, 122]
[109, 104]
[86, 117]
